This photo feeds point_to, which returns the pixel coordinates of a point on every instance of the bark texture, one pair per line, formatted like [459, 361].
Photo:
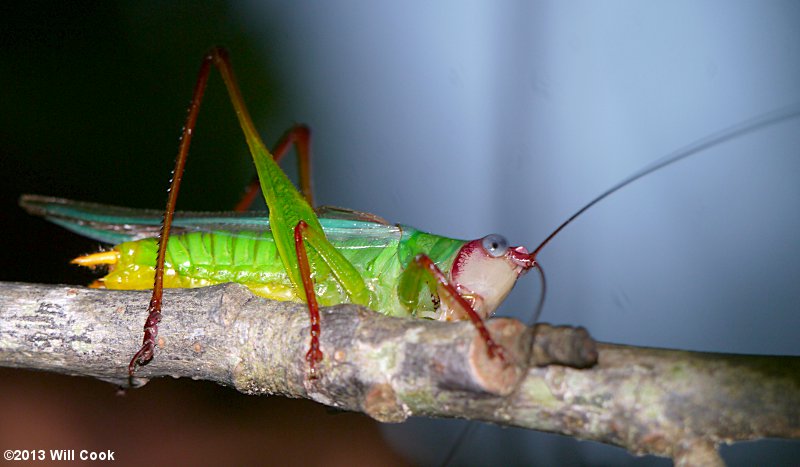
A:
[650, 401]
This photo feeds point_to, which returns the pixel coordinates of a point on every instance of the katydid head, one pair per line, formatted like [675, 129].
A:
[484, 272]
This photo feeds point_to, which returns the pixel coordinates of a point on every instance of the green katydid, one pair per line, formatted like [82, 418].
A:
[388, 268]
[353, 257]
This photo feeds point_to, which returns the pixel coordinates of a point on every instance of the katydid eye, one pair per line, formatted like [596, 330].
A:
[496, 245]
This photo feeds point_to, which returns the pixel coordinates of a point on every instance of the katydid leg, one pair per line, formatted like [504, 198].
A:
[355, 287]
[145, 352]
[314, 354]
[287, 208]
[217, 57]
[300, 136]
[422, 268]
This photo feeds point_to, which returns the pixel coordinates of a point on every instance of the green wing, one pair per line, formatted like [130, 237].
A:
[115, 224]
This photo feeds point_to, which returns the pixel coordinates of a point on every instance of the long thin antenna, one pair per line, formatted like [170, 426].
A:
[732, 132]
[739, 129]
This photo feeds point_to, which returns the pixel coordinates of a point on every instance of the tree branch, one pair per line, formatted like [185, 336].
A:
[650, 401]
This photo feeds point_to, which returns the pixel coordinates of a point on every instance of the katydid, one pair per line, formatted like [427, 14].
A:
[388, 268]
[295, 255]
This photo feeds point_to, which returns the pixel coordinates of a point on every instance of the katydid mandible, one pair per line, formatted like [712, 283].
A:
[353, 257]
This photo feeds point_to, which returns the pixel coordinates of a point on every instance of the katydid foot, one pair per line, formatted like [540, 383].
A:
[145, 353]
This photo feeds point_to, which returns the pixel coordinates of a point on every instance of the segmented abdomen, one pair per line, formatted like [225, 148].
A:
[198, 259]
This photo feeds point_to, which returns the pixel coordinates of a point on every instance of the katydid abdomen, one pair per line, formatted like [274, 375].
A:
[250, 258]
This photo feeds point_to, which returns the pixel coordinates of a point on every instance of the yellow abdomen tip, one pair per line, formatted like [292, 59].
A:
[96, 259]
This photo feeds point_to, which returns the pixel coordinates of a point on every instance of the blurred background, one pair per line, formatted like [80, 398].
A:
[459, 118]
